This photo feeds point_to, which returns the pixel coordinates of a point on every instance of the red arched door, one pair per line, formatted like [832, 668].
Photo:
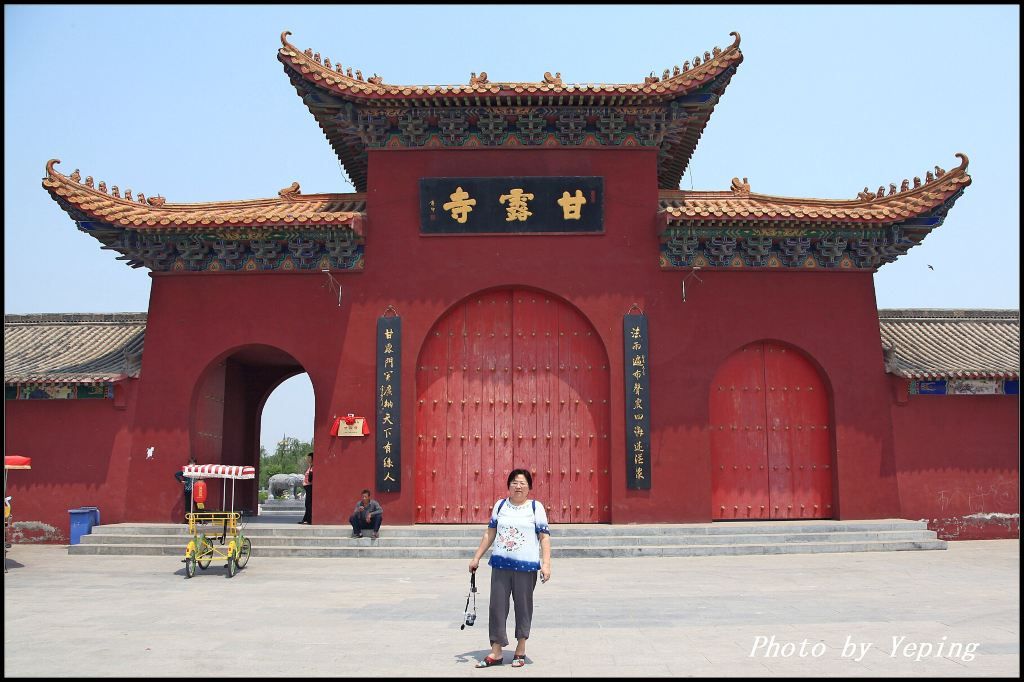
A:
[512, 379]
[771, 453]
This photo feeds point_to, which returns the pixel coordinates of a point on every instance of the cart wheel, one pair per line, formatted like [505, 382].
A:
[232, 567]
[190, 567]
[204, 563]
[244, 550]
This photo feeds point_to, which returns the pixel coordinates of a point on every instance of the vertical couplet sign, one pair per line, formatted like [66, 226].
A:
[638, 402]
[389, 411]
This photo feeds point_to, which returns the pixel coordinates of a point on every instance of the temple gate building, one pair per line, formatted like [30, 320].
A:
[517, 281]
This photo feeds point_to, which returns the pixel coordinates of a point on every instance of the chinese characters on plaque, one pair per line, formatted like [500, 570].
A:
[511, 205]
[389, 386]
[638, 403]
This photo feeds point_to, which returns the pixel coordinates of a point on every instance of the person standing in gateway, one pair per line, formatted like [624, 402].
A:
[307, 484]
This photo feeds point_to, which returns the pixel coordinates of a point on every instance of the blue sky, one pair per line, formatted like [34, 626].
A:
[191, 103]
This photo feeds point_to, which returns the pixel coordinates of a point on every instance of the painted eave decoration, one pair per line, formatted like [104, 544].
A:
[742, 229]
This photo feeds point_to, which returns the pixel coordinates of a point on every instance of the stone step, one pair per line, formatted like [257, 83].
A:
[558, 552]
[255, 528]
[260, 540]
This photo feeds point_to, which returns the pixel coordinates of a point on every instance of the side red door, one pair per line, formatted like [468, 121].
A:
[770, 443]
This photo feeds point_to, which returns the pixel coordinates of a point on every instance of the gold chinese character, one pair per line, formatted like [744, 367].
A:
[460, 205]
[638, 431]
[387, 376]
[385, 391]
[638, 361]
[387, 434]
[637, 403]
[637, 388]
[635, 333]
[517, 209]
[637, 374]
[638, 417]
[638, 459]
[388, 464]
[387, 419]
[571, 206]
[389, 362]
[387, 449]
[388, 333]
[387, 477]
[640, 473]
[388, 348]
[636, 345]
[638, 446]
[387, 404]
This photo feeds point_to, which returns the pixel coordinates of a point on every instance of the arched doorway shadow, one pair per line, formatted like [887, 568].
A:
[227, 405]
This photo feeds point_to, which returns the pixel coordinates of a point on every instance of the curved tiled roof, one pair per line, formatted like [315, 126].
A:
[681, 206]
[72, 348]
[308, 66]
[292, 209]
[951, 344]
[668, 112]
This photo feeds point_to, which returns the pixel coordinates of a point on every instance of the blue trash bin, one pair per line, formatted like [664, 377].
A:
[82, 521]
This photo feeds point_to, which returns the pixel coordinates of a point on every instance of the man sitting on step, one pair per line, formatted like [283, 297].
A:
[368, 514]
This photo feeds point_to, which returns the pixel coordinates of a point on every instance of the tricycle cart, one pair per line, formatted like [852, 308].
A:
[216, 534]
[11, 462]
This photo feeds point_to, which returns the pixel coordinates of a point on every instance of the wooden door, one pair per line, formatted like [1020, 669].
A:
[770, 437]
[512, 379]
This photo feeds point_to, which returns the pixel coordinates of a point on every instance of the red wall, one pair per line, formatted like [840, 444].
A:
[78, 450]
[196, 320]
[208, 334]
[959, 463]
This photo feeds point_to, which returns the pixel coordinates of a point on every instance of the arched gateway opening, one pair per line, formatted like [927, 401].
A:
[507, 379]
[227, 405]
[771, 442]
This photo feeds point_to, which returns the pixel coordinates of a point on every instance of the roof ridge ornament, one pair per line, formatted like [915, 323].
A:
[478, 80]
[553, 80]
[76, 177]
[929, 178]
[292, 191]
[740, 187]
[715, 53]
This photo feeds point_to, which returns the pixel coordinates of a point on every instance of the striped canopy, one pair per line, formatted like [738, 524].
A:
[17, 462]
[218, 471]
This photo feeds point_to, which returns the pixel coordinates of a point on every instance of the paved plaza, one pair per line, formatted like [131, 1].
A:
[926, 613]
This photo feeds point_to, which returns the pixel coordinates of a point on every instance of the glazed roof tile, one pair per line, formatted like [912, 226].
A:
[681, 81]
[292, 209]
[679, 206]
[72, 348]
[951, 344]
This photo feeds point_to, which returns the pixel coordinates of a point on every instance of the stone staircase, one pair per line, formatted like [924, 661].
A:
[274, 538]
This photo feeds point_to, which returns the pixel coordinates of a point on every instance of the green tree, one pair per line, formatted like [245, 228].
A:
[289, 458]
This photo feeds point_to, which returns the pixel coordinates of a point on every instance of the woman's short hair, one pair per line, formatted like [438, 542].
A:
[526, 475]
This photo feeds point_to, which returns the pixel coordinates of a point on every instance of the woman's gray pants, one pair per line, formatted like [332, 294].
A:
[520, 585]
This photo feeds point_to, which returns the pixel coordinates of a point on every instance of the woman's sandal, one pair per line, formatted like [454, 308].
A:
[487, 662]
[519, 661]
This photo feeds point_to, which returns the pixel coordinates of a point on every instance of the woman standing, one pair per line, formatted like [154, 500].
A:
[523, 548]
[307, 484]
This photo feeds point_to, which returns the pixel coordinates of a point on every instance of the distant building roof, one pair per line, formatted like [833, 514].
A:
[951, 344]
[73, 347]
[918, 344]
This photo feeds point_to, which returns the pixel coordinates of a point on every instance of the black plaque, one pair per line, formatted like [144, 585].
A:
[389, 410]
[512, 205]
[638, 402]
